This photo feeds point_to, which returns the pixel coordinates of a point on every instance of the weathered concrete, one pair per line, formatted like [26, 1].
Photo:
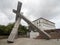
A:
[27, 41]
[14, 31]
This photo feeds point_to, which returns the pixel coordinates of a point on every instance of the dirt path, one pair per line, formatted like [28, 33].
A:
[27, 41]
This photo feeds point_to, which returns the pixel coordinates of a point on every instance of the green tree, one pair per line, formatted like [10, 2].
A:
[5, 30]
[2, 29]
[22, 30]
[9, 28]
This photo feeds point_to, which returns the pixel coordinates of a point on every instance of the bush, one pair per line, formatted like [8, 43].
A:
[5, 30]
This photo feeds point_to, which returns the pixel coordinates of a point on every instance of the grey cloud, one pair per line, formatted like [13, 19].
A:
[6, 7]
[35, 8]
[43, 10]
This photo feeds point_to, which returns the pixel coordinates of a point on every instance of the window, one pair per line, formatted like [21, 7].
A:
[37, 22]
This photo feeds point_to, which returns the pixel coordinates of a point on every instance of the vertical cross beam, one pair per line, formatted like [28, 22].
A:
[15, 28]
[18, 10]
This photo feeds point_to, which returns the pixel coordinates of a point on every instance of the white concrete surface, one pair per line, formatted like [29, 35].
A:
[34, 34]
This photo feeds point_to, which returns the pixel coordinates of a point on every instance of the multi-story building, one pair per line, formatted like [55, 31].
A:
[44, 24]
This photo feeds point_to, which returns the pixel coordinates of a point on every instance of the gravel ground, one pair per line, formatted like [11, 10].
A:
[28, 41]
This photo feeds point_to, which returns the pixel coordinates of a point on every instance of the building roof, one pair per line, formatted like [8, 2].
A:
[43, 19]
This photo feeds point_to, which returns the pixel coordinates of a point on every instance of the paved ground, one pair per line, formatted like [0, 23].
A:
[28, 41]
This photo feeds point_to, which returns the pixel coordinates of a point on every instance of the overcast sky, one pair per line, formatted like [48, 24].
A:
[32, 9]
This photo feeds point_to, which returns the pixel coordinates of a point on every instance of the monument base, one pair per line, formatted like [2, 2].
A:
[10, 41]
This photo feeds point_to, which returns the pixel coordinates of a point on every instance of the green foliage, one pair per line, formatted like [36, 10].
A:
[9, 28]
[2, 31]
[22, 30]
[5, 30]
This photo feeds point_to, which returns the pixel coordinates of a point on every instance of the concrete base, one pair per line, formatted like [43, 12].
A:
[10, 42]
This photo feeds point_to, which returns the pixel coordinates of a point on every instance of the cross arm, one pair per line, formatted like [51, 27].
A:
[14, 11]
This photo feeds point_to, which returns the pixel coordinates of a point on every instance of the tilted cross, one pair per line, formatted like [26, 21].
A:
[18, 19]
[14, 31]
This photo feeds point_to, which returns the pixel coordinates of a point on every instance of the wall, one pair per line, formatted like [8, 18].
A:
[54, 33]
[33, 34]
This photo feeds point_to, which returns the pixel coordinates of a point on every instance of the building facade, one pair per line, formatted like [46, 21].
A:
[44, 24]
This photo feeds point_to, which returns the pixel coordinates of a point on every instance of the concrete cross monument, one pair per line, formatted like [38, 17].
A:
[14, 31]
[18, 19]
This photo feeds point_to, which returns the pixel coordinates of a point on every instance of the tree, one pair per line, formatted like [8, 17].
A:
[2, 29]
[5, 30]
[22, 30]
